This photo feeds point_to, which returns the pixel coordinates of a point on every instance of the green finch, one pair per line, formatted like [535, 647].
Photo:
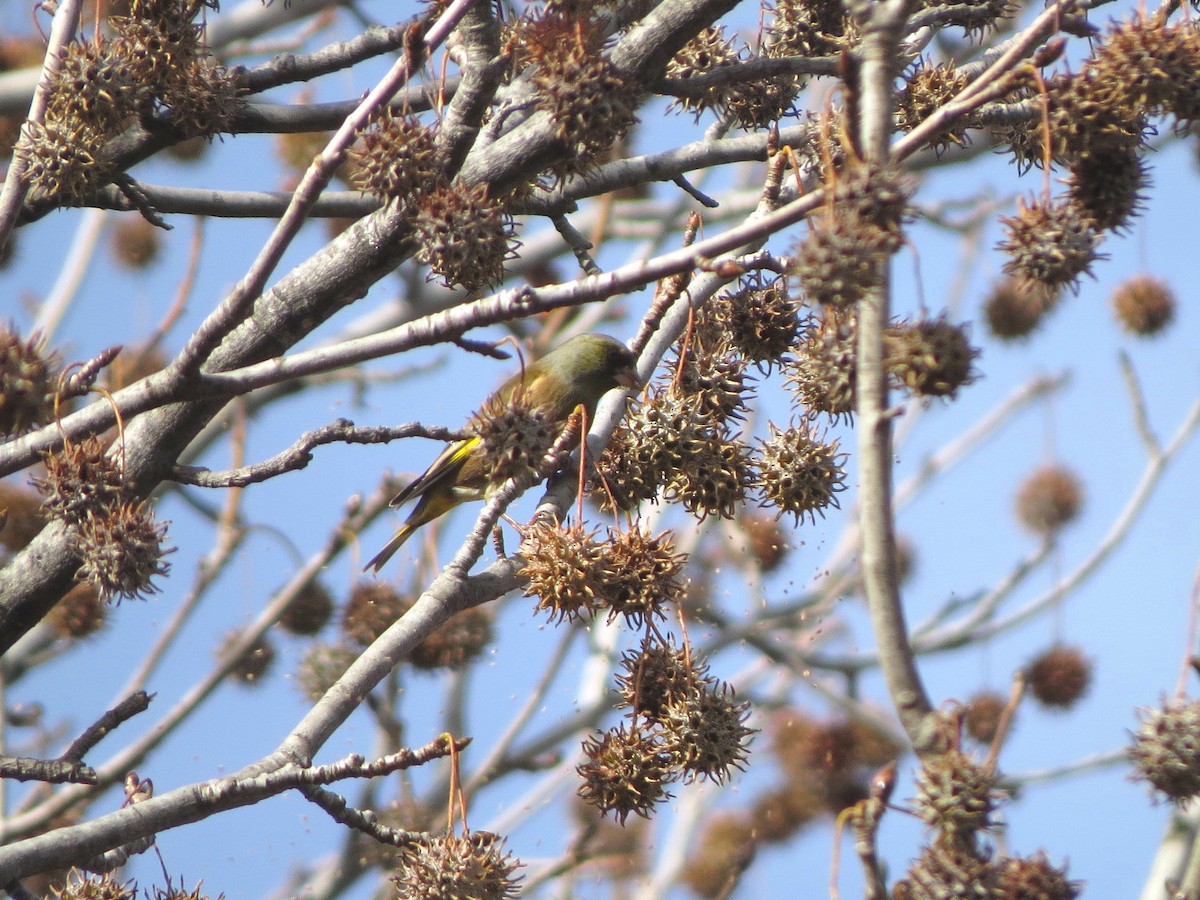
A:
[575, 375]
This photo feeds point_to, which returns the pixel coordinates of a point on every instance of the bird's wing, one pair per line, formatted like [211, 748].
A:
[445, 468]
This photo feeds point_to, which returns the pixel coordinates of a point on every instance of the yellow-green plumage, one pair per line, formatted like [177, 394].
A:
[577, 374]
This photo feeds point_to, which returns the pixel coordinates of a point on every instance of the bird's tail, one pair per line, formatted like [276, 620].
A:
[380, 559]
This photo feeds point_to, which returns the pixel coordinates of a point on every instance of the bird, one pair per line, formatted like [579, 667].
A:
[576, 374]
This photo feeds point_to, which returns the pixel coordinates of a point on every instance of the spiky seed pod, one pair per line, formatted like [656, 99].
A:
[322, 665]
[80, 886]
[823, 374]
[783, 810]
[981, 715]
[1015, 307]
[948, 871]
[371, 609]
[1060, 677]
[876, 196]
[21, 516]
[1033, 877]
[705, 733]
[657, 674]
[457, 641]
[204, 99]
[766, 541]
[1083, 123]
[397, 160]
[156, 50]
[135, 242]
[759, 321]
[473, 866]
[808, 28]
[82, 612]
[1108, 188]
[715, 384]
[64, 163]
[465, 237]
[955, 795]
[626, 771]
[82, 481]
[726, 848]
[714, 481]
[758, 104]
[1144, 305]
[1166, 751]
[91, 88]
[1145, 63]
[636, 575]
[933, 358]
[27, 382]
[252, 666]
[1049, 243]
[516, 437]
[309, 611]
[927, 88]
[590, 101]
[1049, 499]
[799, 472]
[562, 565]
[667, 441]
[838, 261]
[707, 52]
[122, 550]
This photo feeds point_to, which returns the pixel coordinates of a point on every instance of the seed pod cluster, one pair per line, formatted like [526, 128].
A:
[849, 238]
[590, 101]
[750, 103]
[575, 576]
[118, 539]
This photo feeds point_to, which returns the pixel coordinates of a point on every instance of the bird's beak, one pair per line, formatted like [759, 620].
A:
[628, 378]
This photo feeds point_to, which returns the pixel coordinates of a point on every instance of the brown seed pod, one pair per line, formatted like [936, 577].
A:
[397, 159]
[460, 639]
[626, 771]
[658, 674]
[21, 514]
[122, 550]
[562, 565]
[705, 732]
[309, 611]
[799, 472]
[1034, 876]
[28, 382]
[80, 613]
[823, 374]
[927, 88]
[948, 869]
[82, 481]
[135, 242]
[473, 865]
[1050, 243]
[322, 665]
[933, 358]
[761, 321]
[465, 236]
[92, 88]
[252, 666]
[371, 609]
[726, 849]
[982, 714]
[1049, 499]
[1060, 677]
[1144, 305]
[1015, 307]
[516, 436]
